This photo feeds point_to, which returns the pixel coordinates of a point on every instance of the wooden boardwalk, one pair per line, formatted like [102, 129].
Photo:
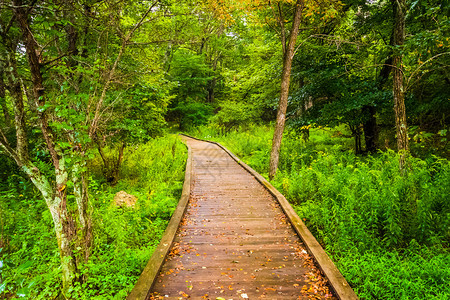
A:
[234, 240]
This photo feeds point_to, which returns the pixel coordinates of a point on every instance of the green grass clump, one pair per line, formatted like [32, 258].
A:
[124, 238]
[387, 230]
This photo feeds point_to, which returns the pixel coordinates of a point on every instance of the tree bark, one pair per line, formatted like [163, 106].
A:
[212, 83]
[111, 165]
[6, 115]
[84, 228]
[370, 128]
[16, 94]
[55, 195]
[284, 93]
[398, 86]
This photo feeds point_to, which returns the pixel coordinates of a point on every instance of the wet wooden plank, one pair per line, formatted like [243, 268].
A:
[335, 279]
[235, 241]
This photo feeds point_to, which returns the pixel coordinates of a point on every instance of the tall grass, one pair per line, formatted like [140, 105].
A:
[124, 238]
[387, 231]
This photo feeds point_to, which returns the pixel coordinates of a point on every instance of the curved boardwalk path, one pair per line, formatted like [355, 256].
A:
[235, 241]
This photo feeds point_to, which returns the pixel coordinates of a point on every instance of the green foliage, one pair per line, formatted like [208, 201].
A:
[190, 115]
[340, 73]
[192, 74]
[359, 201]
[234, 114]
[418, 273]
[124, 238]
[140, 114]
[386, 231]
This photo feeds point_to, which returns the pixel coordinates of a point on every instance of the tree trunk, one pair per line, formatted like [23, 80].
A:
[55, 194]
[6, 115]
[370, 128]
[356, 133]
[213, 82]
[211, 90]
[398, 86]
[111, 165]
[19, 113]
[64, 224]
[284, 93]
[84, 226]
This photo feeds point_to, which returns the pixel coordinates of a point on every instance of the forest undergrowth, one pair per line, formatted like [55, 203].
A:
[124, 237]
[386, 230]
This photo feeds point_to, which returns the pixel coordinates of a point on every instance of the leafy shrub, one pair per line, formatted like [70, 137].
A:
[191, 114]
[234, 114]
[124, 238]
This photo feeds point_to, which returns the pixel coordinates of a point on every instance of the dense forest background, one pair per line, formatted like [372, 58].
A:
[343, 104]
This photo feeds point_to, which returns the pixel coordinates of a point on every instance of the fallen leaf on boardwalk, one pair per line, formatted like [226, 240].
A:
[270, 289]
[183, 294]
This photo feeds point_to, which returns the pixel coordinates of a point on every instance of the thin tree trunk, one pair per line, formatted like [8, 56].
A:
[117, 163]
[398, 86]
[80, 191]
[55, 196]
[284, 93]
[212, 83]
[111, 165]
[6, 115]
[19, 111]
[370, 128]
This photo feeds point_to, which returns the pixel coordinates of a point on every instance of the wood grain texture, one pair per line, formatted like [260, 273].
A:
[335, 279]
[235, 240]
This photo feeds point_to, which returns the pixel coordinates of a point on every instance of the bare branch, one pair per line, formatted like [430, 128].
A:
[56, 59]
[153, 42]
[31, 47]
[423, 74]
[8, 149]
[422, 65]
[130, 34]
[125, 41]
[280, 18]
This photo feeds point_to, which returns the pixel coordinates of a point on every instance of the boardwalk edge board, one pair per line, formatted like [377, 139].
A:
[336, 280]
[141, 290]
